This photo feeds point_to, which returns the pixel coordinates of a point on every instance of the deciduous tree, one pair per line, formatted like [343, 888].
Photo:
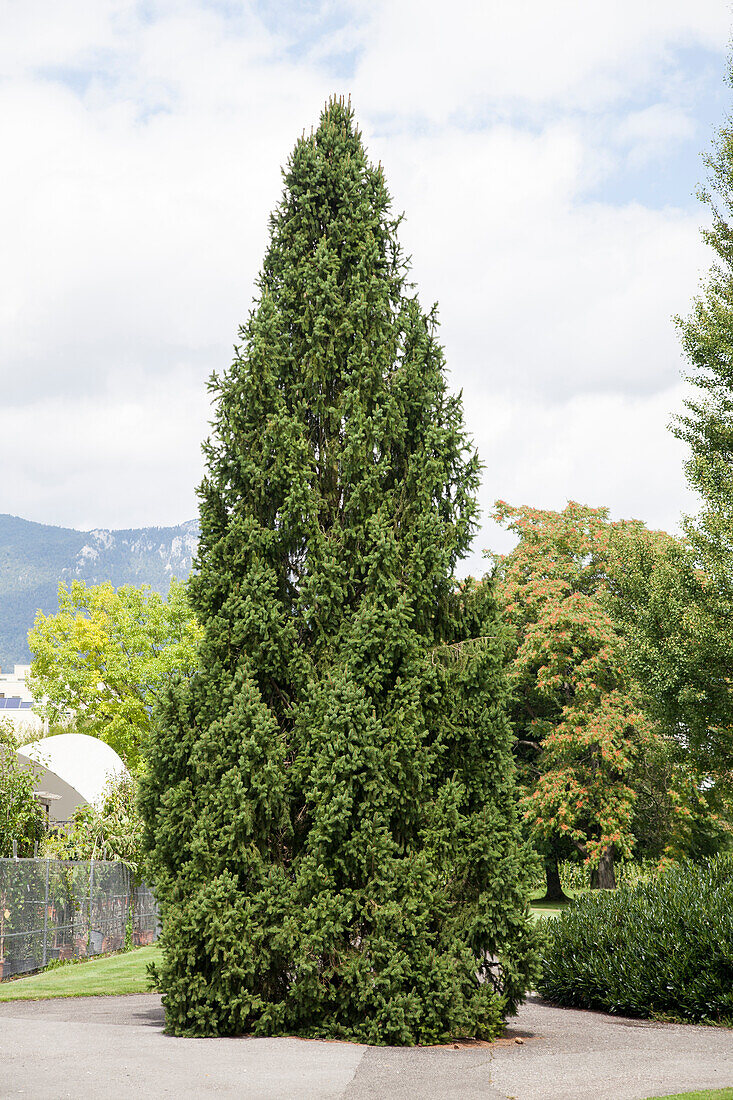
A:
[103, 660]
[706, 706]
[583, 729]
[111, 830]
[676, 654]
[21, 817]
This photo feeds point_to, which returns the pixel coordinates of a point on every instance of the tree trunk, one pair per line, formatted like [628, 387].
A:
[603, 877]
[552, 876]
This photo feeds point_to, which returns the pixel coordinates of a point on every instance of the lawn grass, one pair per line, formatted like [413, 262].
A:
[706, 1094]
[105, 977]
[539, 908]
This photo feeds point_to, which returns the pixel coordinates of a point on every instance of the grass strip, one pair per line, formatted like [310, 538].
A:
[540, 908]
[105, 977]
[706, 1094]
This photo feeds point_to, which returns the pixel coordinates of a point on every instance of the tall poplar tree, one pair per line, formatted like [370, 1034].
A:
[330, 801]
[701, 688]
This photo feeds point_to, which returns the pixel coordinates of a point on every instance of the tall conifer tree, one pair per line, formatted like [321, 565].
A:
[330, 801]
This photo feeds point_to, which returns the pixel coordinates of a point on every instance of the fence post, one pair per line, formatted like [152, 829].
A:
[45, 920]
[89, 918]
[130, 909]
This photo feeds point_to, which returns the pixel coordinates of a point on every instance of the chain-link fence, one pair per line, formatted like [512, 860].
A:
[68, 909]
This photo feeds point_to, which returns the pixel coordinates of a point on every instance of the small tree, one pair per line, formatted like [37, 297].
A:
[330, 809]
[110, 831]
[102, 661]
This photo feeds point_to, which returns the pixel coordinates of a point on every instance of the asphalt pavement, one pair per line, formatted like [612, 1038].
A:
[114, 1047]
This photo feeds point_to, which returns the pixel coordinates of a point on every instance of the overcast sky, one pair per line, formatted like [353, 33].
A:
[545, 154]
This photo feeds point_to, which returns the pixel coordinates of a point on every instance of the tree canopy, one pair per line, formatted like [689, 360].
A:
[661, 603]
[592, 757]
[705, 703]
[103, 660]
[21, 816]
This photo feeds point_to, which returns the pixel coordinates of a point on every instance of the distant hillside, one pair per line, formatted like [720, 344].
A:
[35, 557]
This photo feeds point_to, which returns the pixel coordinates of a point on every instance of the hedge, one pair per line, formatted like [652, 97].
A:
[662, 947]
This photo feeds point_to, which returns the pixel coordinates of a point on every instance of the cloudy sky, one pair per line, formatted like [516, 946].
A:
[545, 154]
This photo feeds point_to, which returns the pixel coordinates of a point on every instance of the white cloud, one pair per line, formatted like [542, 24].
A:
[602, 450]
[38, 34]
[429, 58]
[650, 133]
[110, 460]
[134, 240]
[538, 290]
[145, 145]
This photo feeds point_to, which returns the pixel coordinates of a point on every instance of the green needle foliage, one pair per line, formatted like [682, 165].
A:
[330, 801]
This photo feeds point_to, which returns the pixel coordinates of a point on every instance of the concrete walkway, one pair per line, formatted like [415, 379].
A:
[115, 1047]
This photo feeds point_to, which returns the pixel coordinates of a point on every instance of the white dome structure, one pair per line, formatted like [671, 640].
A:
[72, 769]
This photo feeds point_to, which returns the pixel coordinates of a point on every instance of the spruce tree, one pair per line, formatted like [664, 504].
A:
[330, 805]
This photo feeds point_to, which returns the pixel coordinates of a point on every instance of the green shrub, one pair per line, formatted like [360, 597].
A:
[663, 947]
[21, 817]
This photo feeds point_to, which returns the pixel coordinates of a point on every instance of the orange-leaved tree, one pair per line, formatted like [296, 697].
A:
[579, 720]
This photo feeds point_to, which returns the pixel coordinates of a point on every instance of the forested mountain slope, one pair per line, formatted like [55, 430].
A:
[34, 557]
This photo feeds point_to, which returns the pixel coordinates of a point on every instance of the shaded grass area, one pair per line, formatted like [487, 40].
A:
[540, 908]
[706, 1094]
[101, 977]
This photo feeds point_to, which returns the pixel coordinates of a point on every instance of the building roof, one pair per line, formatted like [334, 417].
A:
[73, 765]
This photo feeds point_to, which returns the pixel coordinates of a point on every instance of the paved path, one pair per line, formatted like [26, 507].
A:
[114, 1047]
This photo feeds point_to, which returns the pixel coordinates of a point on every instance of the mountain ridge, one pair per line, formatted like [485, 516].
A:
[35, 557]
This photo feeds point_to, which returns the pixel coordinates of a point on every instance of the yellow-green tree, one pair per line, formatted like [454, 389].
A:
[103, 660]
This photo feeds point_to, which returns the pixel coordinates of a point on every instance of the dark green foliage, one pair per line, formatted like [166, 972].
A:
[330, 801]
[678, 649]
[661, 948]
